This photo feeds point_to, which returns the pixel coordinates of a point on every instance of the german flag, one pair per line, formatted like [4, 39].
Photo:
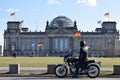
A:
[12, 14]
[106, 14]
[39, 44]
[77, 34]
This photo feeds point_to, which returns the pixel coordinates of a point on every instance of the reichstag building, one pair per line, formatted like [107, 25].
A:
[57, 39]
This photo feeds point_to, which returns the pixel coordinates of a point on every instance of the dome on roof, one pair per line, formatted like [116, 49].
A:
[61, 21]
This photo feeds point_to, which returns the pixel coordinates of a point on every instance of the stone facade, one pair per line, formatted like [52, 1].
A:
[58, 39]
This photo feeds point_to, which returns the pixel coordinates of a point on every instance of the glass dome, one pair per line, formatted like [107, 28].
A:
[61, 21]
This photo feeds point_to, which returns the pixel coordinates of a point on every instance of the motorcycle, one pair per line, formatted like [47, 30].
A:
[61, 70]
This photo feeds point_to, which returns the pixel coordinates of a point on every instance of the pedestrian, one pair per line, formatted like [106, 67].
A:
[14, 55]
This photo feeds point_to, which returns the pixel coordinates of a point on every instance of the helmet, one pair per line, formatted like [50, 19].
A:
[82, 43]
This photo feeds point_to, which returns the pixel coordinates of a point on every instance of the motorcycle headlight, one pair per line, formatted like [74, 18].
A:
[99, 62]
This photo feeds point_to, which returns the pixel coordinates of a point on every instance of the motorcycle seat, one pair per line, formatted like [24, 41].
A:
[74, 60]
[90, 61]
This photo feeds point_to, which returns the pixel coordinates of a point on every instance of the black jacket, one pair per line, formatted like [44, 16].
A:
[83, 54]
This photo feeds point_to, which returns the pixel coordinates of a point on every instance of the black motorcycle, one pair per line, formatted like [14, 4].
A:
[92, 71]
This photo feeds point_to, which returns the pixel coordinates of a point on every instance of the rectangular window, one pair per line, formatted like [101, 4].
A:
[66, 43]
[56, 42]
[13, 48]
[5, 44]
[12, 39]
[23, 47]
[61, 44]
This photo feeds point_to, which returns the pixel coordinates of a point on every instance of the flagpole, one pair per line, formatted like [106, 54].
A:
[13, 16]
[99, 22]
[108, 18]
[36, 25]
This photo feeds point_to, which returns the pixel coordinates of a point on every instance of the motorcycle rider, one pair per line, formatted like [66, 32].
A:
[82, 58]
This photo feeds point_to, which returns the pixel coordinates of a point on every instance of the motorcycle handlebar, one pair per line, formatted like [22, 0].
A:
[68, 55]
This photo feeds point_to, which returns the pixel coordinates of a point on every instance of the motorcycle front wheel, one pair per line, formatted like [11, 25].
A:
[93, 71]
[61, 71]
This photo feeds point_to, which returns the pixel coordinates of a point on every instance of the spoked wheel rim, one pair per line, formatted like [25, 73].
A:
[61, 71]
[93, 71]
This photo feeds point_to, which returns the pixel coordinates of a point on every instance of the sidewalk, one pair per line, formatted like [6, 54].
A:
[26, 68]
[42, 72]
[45, 68]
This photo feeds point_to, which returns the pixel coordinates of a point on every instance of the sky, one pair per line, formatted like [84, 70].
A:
[35, 13]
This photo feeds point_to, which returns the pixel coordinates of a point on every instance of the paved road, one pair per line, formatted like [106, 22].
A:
[45, 68]
[49, 78]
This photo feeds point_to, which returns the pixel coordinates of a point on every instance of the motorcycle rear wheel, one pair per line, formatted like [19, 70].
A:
[94, 71]
[61, 71]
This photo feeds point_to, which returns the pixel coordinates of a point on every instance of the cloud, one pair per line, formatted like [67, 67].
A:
[53, 2]
[12, 10]
[91, 3]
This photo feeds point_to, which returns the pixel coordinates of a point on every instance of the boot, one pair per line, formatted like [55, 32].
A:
[74, 75]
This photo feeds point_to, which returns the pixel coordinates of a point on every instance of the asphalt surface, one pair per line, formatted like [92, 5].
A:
[41, 73]
[48, 78]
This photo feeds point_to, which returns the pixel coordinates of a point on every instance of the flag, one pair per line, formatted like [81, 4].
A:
[77, 34]
[33, 44]
[99, 22]
[106, 14]
[39, 44]
[12, 14]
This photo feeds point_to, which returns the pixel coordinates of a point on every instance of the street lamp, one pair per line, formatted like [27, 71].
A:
[40, 45]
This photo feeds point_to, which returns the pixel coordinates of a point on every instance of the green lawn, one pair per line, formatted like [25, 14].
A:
[108, 62]
[30, 61]
[43, 61]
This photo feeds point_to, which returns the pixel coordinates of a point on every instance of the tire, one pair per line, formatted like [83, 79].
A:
[93, 74]
[61, 71]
